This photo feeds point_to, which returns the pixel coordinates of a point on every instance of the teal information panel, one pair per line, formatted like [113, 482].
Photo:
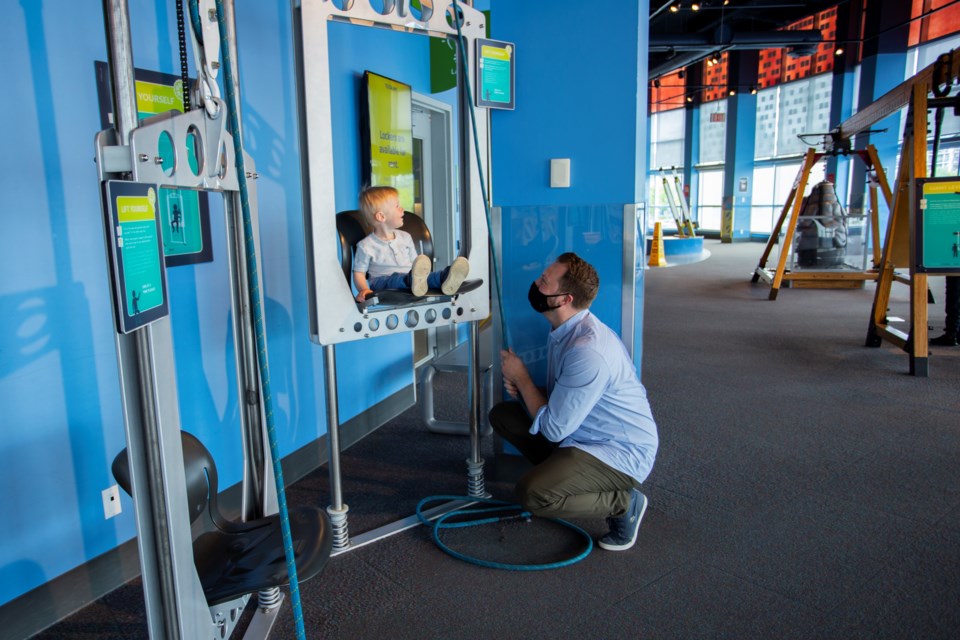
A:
[938, 226]
[136, 254]
[495, 68]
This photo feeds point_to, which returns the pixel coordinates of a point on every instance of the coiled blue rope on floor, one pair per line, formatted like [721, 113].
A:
[498, 506]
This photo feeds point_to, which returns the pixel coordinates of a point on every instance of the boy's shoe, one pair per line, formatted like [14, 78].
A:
[455, 276]
[623, 530]
[418, 275]
[946, 340]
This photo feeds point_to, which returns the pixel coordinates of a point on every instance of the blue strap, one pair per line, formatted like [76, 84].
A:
[253, 281]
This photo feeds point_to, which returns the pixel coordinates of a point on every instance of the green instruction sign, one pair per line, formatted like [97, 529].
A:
[938, 226]
[495, 73]
[136, 255]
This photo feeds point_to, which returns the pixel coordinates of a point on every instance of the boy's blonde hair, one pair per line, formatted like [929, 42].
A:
[373, 199]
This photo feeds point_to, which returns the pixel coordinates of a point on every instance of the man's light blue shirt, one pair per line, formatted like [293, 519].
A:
[595, 399]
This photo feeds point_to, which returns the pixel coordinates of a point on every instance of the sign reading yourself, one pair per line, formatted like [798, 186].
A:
[184, 213]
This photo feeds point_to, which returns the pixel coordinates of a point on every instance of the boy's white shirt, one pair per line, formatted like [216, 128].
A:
[377, 257]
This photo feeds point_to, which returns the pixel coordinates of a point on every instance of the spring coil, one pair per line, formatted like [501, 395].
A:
[476, 487]
[269, 598]
[339, 528]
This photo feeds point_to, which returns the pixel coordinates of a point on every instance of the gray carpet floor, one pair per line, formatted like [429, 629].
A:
[806, 487]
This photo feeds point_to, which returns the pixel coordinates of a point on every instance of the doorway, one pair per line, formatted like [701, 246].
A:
[434, 201]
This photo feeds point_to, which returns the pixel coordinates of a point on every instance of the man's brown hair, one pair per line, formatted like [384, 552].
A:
[581, 280]
[372, 199]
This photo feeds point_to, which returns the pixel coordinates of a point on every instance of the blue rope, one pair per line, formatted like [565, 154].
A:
[483, 185]
[499, 507]
[253, 281]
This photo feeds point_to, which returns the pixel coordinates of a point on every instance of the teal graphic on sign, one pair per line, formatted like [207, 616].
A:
[180, 223]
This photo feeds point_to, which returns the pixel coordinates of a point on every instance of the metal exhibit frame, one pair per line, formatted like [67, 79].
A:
[175, 603]
[335, 316]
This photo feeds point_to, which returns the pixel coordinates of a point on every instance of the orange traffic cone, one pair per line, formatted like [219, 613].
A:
[658, 257]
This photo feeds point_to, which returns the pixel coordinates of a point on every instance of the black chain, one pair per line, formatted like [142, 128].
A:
[184, 72]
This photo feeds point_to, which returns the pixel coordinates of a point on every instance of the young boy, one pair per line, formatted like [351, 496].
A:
[389, 256]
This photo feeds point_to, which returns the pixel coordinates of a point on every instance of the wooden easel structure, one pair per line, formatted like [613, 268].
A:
[823, 279]
[900, 248]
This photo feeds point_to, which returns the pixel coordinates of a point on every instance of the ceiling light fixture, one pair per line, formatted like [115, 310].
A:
[733, 92]
[674, 8]
[839, 51]
[753, 91]
[695, 6]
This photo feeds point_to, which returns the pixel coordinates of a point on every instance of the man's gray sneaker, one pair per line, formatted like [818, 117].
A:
[623, 529]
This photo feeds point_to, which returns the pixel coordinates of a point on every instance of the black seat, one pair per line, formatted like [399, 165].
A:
[237, 558]
[351, 230]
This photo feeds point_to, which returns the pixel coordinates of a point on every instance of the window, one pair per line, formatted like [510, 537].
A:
[709, 198]
[666, 153]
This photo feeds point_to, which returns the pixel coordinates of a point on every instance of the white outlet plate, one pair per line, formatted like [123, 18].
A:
[111, 501]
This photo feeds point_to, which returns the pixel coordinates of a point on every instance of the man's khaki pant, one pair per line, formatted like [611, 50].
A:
[565, 482]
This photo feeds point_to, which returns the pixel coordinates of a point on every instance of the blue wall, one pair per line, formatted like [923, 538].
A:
[580, 94]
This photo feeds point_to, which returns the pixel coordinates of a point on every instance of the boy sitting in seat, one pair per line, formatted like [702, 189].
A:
[388, 255]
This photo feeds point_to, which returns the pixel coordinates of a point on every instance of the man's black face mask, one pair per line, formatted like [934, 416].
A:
[539, 301]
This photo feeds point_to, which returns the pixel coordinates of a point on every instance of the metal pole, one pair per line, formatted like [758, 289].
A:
[475, 480]
[337, 509]
[159, 583]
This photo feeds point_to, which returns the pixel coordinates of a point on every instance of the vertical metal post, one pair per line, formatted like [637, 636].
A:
[337, 509]
[151, 414]
[475, 481]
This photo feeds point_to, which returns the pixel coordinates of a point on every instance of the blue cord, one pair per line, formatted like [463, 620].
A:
[253, 281]
[499, 507]
[457, 19]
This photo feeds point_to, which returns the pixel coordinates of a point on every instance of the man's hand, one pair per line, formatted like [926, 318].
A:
[517, 382]
[514, 372]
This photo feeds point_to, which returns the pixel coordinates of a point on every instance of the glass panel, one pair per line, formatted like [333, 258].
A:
[713, 131]
[766, 141]
[764, 210]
